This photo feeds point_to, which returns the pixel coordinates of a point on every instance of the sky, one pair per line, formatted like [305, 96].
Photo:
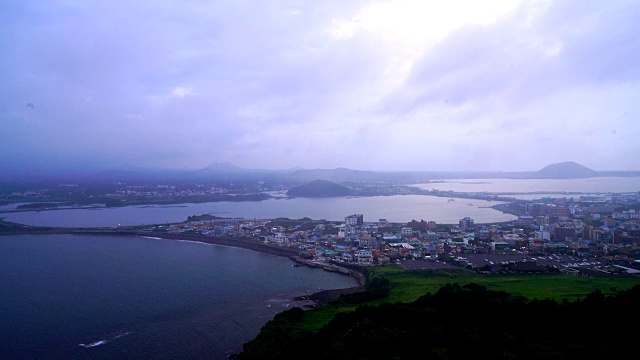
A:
[370, 85]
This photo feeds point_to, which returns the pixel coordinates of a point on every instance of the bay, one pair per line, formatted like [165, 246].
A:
[106, 297]
[401, 208]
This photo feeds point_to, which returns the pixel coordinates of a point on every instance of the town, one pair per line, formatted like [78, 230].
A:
[590, 236]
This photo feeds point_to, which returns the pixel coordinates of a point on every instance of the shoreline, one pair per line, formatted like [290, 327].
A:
[319, 298]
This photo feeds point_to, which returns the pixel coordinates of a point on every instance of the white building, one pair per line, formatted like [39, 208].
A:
[354, 220]
[364, 257]
[279, 238]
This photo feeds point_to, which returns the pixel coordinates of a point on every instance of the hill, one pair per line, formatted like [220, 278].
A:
[339, 174]
[319, 188]
[565, 170]
[443, 325]
[223, 166]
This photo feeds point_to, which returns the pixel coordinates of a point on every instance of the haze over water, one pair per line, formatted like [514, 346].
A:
[588, 185]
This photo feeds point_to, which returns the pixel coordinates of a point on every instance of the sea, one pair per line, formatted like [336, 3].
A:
[111, 297]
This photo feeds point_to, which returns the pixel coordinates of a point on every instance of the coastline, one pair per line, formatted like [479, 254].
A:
[506, 209]
[318, 298]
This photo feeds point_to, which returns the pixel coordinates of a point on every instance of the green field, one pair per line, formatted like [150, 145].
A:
[410, 285]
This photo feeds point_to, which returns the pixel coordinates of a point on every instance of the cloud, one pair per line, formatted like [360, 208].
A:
[361, 84]
[521, 59]
[181, 92]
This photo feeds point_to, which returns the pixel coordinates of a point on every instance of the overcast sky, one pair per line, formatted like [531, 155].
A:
[370, 85]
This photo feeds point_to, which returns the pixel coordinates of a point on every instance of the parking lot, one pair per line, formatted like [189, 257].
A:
[480, 260]
[421, 264]
[559, 261]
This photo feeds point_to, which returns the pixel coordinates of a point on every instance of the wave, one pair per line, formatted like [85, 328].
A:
[94, 344]
[103, 342]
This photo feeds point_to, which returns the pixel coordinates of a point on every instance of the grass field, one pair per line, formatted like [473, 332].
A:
[410, 285]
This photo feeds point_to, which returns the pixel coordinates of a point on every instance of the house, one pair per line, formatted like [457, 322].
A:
[364, 257]
[347, 257]
[406, 231]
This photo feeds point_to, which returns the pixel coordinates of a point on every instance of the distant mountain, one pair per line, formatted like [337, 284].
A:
[565, 170]
[319, 188]
[226, 171]
[222, 166]
[339, 174]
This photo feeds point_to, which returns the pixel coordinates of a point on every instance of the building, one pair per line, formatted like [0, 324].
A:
[407, 231]
[354, 220]
[563, 233]
[466, 223]
[555, 211]
[279, 238]
[603, 236]
[500, 247]
[525, 220]
[542, 220]
[368, 242]
[364, 257]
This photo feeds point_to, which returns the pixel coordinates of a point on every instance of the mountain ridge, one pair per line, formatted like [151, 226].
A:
[298, 176]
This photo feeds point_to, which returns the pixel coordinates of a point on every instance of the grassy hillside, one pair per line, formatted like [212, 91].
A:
[459, 322]
[407, 286]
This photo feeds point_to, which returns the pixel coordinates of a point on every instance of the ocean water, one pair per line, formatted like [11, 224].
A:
[105, 297]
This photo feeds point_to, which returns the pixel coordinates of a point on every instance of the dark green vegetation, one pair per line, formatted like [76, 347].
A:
[203, 217]
[461, 321]
[319, 188]
[51, 194]
[409, 286]
[300, 224]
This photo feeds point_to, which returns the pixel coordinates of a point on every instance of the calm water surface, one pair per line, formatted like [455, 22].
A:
[589, 185]
[101, 297]
[393, 208]
[401, 208]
